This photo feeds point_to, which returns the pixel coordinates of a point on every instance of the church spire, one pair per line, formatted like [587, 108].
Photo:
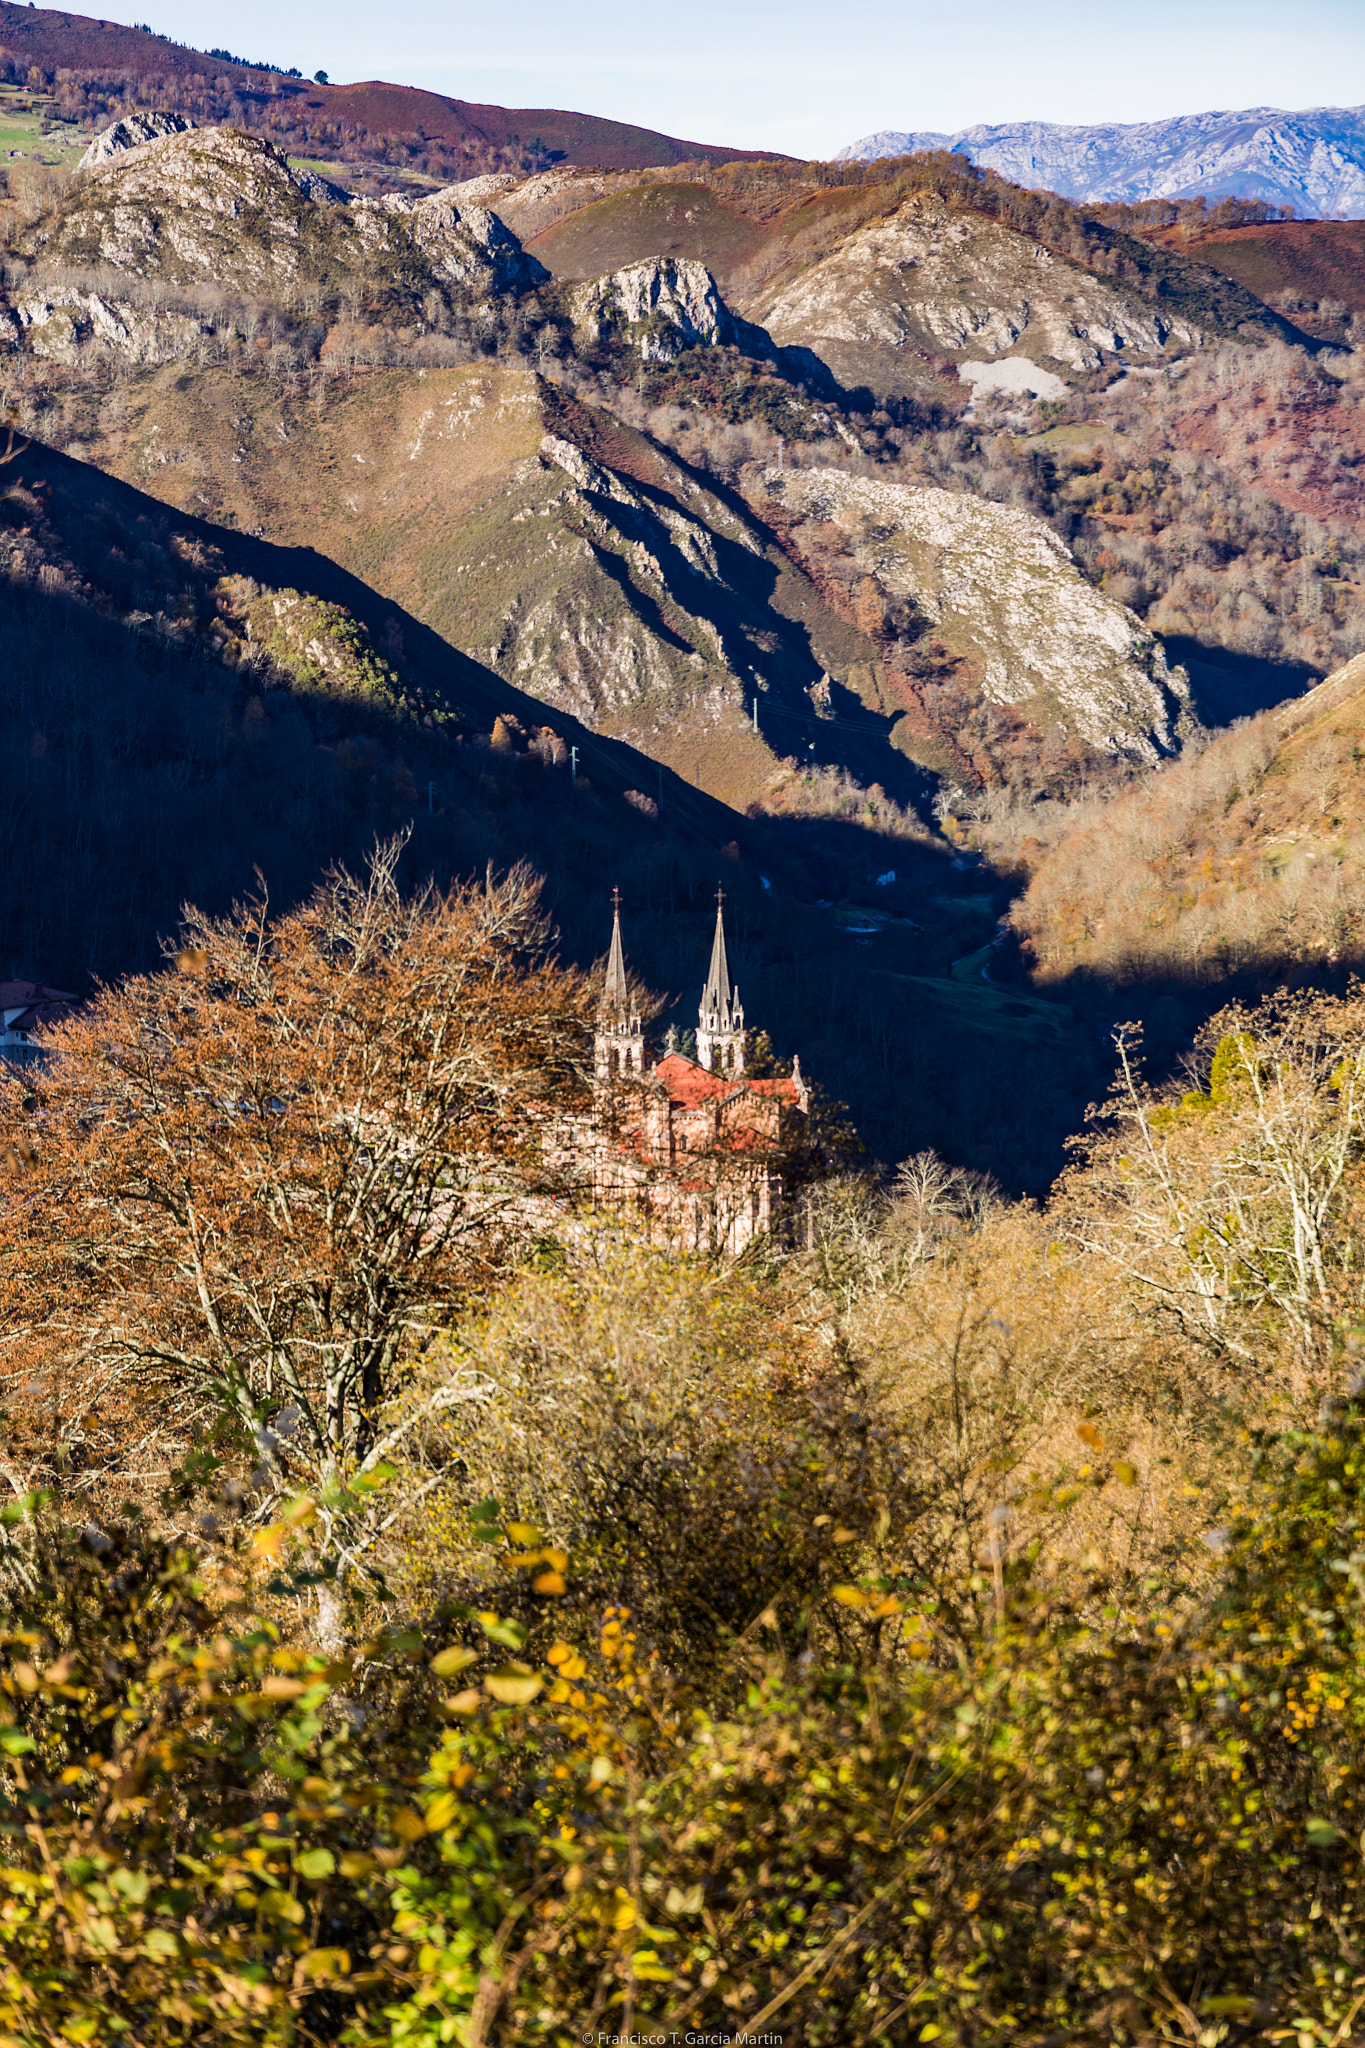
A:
[615, 994]
[720, 1020]
[618, 1042]
[716, 995]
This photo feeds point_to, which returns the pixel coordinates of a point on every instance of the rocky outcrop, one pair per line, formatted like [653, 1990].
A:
[58, 325]
[1003, 591]
[667, 304]
[930, 279]
[314, 186]
[464, 244]
[54, 324]
[660, 308]
[130, 133]
[217, 205]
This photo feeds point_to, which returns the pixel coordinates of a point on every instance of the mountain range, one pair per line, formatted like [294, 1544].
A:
[1313, 161]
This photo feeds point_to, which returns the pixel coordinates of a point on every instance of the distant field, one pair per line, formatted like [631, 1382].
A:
[344, 173]
[21, 119]
[326, 167]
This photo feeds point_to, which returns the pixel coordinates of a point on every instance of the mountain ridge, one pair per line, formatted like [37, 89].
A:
[54, 40]
[1312, 160]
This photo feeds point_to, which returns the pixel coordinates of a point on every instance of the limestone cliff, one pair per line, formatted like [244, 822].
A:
[1002, 590]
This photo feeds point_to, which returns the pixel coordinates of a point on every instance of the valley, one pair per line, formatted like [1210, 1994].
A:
[682, 467]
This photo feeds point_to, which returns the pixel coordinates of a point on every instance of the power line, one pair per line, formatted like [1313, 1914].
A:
[772, 710]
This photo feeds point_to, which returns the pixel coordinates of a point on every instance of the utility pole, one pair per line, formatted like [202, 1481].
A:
[573, 767]
[755, 714]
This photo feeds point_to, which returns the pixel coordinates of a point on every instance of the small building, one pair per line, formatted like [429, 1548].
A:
[701, 1147]
[27, 1007]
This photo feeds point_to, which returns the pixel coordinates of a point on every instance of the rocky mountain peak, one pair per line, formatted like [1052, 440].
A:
[219, 205]
[129, 133]
[660, 306]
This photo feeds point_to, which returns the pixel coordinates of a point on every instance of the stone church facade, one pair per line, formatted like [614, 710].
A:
[697, 1144]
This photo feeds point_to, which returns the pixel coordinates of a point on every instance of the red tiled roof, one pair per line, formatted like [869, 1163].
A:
[17, 995]
[691, 1085]
[26, 1006]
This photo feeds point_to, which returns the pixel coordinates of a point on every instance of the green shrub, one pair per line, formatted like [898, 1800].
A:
[1081, 1826]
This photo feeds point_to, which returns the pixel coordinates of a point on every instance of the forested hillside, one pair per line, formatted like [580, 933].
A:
[89, 71]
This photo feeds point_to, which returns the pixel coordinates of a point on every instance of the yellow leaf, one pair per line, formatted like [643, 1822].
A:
[846, 1535]
[850, 1596]
[523, 1533]
[558, 1560]
[890, 1605]
[549, 1583]
[514, 1688]
[327, 1962]
[467, 1702]
[1088, 1434]
[624, 1916]
[269, 1542]
[441, 1812]
[559, 1653]
[1126, 1474]
[408, 1824]
[457, 1658]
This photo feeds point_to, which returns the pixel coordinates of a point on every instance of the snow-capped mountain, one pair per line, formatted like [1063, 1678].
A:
[1313, 161]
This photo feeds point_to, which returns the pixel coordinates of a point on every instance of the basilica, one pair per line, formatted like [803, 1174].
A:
[700, 1147]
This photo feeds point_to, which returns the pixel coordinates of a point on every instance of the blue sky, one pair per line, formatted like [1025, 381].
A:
[804, 77]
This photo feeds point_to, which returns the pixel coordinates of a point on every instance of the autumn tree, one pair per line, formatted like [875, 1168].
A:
[251, 1185]
[1233, 1212]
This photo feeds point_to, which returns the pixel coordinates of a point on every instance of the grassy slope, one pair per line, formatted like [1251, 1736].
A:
[427, 486]
[682, 219]
[746, 235]
[1319, 259]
